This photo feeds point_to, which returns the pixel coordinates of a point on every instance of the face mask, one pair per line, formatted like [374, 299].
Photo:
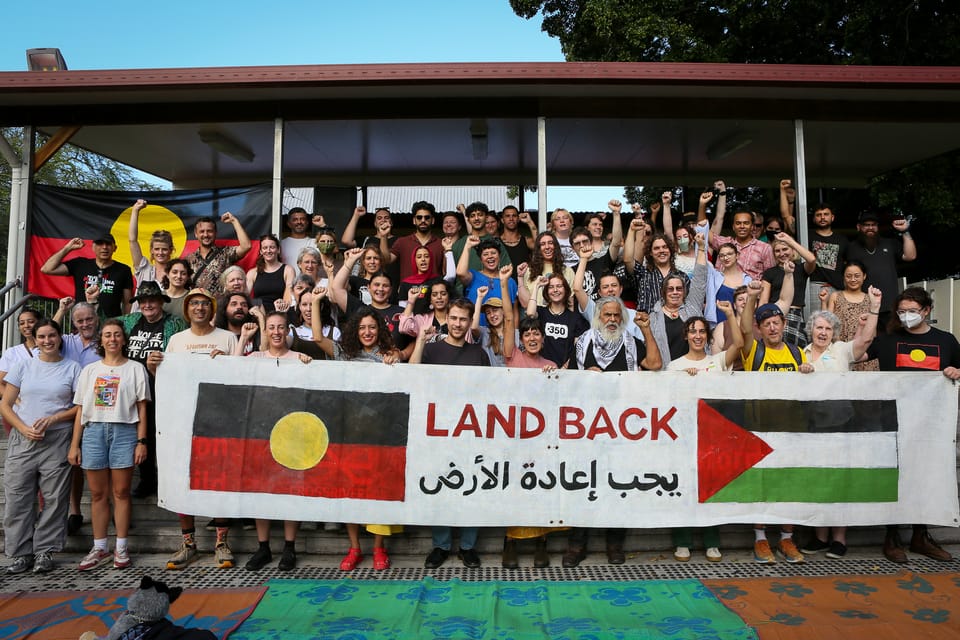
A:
[326, 247]
[909, 319]
[683, 244]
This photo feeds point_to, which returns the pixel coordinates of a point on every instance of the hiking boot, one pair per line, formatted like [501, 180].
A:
[509, 560]
[682, 554]
[436, 558]
[352, 559]
[20, 564]
[573, 557]
[815, 545]
[541, 559]
[789, 551]
[925, 545]
[93, 559]
[469, 558]
[184, 557]
[288, 559]
[714, 555]
[121, 558]
[223, 556]
[837, 550]
[893, 549]
[43, 562]
[762, 552]
[615, 554]
[259, 559]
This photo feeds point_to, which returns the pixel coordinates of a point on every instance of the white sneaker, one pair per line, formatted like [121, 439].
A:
[714, 555]
[682, 554]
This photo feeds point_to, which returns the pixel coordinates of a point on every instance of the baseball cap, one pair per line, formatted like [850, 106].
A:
[765, 311]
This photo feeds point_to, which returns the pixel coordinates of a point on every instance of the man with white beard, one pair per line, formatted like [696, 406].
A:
[607, 346]
[604, 347]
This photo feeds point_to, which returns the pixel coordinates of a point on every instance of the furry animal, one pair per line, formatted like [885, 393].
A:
[146, 617]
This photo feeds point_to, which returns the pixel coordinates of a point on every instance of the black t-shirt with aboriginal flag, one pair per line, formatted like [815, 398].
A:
[934, 350]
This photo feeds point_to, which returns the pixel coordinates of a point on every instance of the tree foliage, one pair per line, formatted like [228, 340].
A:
[872, 32]
[71, 167]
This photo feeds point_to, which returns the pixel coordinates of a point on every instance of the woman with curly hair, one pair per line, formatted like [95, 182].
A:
[649, 259]
[545, 260]
[365, 339]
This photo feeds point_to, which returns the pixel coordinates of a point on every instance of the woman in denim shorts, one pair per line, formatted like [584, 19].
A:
[109, 437]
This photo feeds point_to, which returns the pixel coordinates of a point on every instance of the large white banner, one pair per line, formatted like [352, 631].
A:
[419, 444]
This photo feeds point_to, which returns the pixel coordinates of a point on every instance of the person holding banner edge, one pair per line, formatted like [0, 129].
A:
[911, 344]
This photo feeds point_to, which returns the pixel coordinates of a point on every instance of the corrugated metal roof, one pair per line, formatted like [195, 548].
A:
[399, 199]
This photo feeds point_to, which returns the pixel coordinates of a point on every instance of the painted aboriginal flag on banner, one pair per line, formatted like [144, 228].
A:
[305, 442]
[61, 214]
[797, 451]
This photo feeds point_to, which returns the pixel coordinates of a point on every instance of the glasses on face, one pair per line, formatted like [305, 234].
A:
[419, 218]
[728, 254]
[902, 310]
[758, 225]
[199, 303]
[678, 288]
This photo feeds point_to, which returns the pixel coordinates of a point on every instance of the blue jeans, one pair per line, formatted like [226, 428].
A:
[443, 537]
[108, 445]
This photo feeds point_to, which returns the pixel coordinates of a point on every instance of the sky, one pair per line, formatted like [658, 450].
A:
[106, 34]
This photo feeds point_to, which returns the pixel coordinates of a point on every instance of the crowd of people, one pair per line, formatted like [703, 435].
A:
[623, 292]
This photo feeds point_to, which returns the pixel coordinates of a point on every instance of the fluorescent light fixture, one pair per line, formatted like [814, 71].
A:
[226, 145]
[729, 145]
[49, 59]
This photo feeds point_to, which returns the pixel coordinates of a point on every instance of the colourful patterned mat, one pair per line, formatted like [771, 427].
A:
[375, 609]
[905, 606]
[67, 614]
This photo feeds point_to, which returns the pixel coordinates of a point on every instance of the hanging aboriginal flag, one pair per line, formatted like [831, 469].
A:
[62, 214]
[305, 442]
[797, 451]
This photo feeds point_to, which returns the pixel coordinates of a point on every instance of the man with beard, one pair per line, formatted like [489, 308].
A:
[607, 346]
[298, 222]
[112, 280]
[200, 338]
[452, 350]
[148, 332]
[879, 256]
[404, 248]
[209, 261]
[233, 311]
[608, 285]
[518, 245]
[754, 256]
[830, 247]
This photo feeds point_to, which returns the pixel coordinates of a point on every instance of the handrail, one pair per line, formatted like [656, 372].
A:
[16, 305]
[10, 285]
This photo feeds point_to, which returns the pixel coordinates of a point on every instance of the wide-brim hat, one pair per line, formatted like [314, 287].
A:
[492, 302]
[193, 293]
[150, 289]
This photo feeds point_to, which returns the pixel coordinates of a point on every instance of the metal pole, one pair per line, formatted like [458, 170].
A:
[277, 175]
[542, 173]
[800, 183]
[20, 176]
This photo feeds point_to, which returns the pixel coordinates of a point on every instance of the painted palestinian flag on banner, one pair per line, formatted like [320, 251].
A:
[797, 451]
[305, 442]
[60, 214]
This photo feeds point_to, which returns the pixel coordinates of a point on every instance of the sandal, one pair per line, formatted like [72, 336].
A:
[381, 560]
[351, 560]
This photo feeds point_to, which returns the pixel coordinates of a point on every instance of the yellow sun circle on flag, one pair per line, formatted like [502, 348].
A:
[152, 218]
[299, 440]
[917, 355]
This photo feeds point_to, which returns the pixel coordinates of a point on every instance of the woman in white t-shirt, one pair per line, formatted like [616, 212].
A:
[826, 353]
[696, 330]
[38, 445]
[109, 437]
[697, 333]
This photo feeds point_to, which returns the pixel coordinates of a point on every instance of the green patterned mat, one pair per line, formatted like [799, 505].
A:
[375, 609]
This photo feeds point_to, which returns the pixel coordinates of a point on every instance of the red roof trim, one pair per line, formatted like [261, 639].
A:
[513, 72]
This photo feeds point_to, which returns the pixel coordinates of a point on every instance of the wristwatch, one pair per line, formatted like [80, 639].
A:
[142, 441]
